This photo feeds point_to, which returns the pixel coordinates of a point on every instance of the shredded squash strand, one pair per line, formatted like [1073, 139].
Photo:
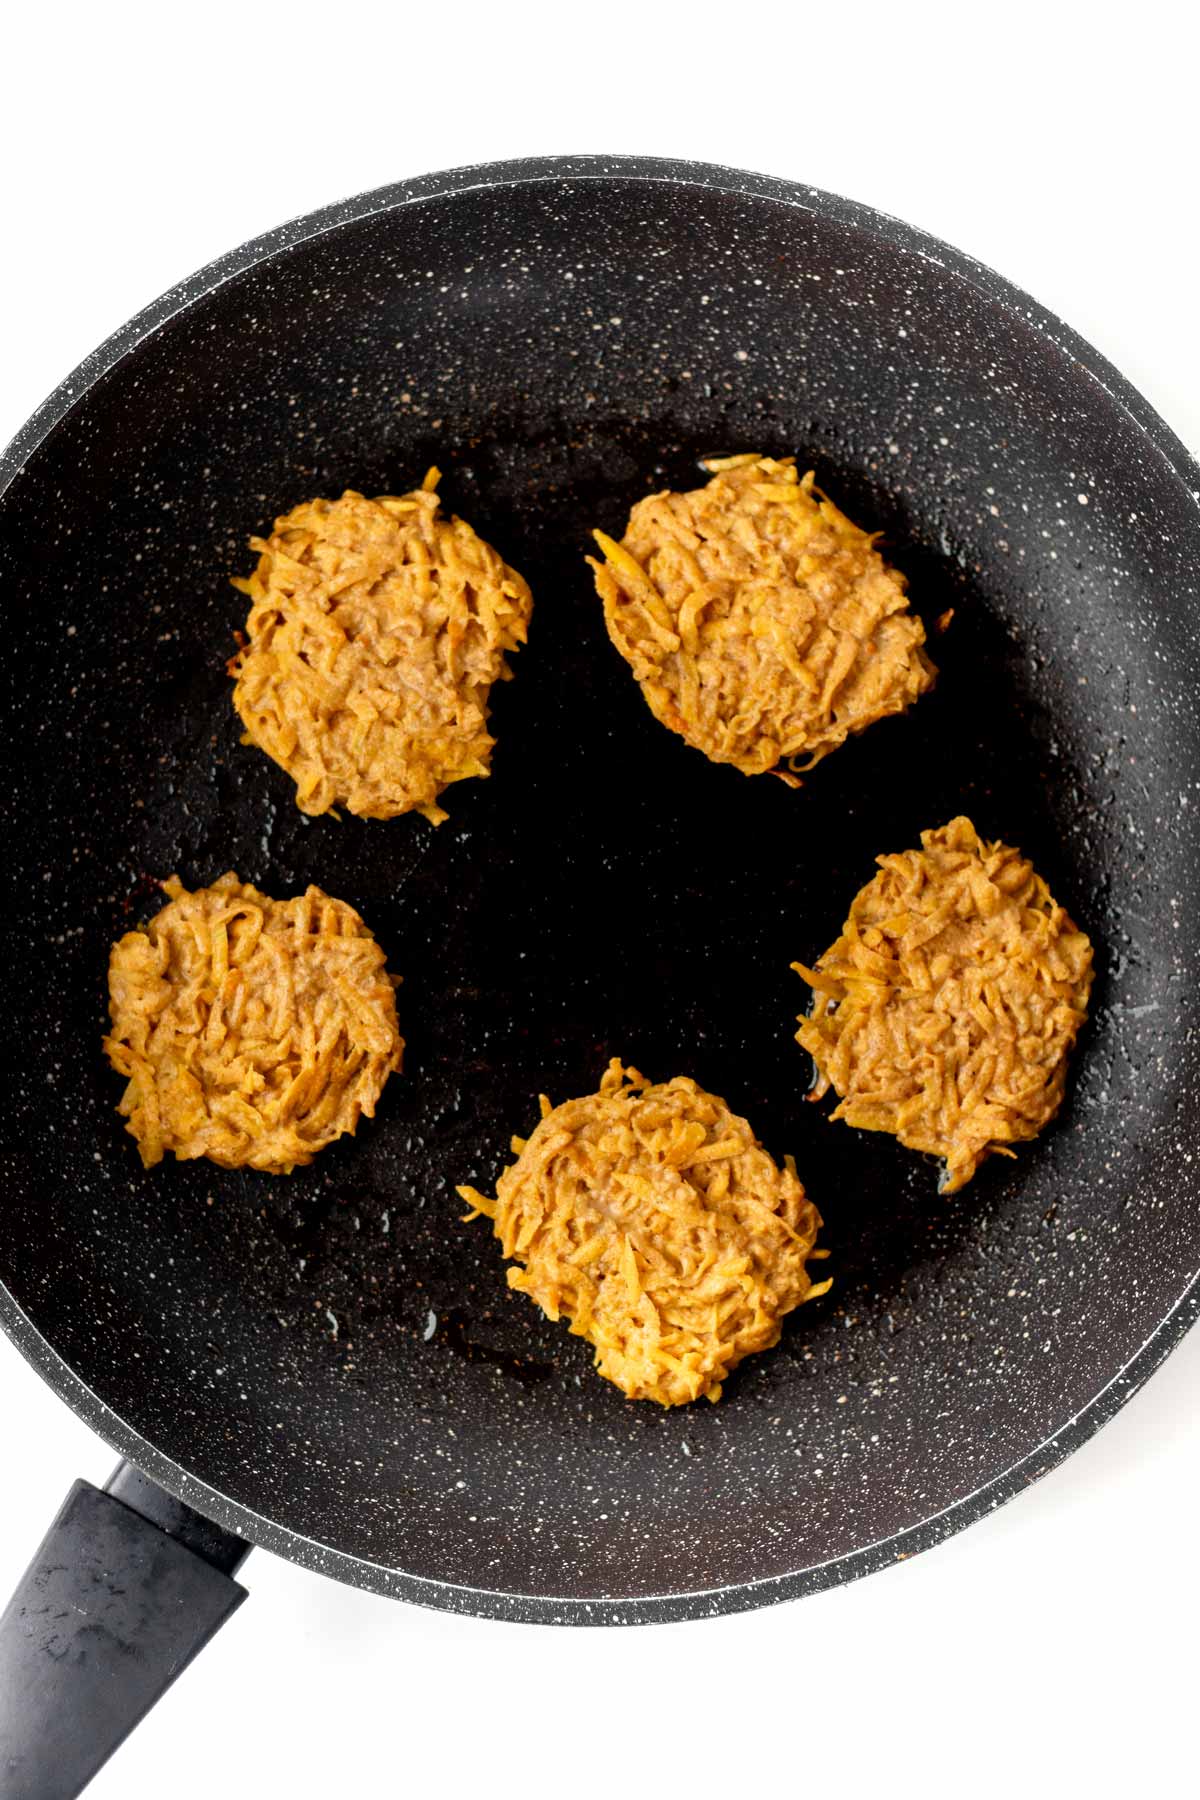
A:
[376, 630]
[249, 1030]
[650, 1218]
[761, 624]
[947, 1010]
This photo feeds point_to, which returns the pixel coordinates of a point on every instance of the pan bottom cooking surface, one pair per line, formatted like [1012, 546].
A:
[331, 1362]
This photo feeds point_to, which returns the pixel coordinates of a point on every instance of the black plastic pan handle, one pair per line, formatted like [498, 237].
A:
[127, 1586]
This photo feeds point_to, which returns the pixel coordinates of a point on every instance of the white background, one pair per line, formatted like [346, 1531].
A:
[1049, 1649]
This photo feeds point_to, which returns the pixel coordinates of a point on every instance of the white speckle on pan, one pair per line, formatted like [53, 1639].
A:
[333, 1324]
[430, 1325]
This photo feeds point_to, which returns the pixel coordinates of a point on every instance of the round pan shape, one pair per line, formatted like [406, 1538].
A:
[330, 1364]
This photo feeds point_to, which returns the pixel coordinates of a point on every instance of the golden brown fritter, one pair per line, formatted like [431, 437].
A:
[946, 1011]
[652, 1219]
[252, 1031]
[376, 630]
[761, 625]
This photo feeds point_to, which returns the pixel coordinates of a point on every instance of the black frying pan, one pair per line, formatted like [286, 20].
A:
[330, 1364]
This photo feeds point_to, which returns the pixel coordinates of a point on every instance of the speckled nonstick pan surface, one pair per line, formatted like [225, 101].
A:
[331, 1364]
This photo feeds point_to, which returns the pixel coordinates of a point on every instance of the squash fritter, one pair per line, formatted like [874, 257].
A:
[761, 624]
[650, 1217]
[376, 630]
[252, 1031]
[947, 1009]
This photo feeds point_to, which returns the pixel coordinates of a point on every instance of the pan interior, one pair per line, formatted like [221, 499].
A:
[335, 1351]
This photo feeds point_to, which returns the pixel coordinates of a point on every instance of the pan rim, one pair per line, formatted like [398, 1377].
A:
[648, 170]
[694, 1603]
[567, 1609]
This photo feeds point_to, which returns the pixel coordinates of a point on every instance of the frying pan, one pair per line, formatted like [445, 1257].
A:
[331, 1364]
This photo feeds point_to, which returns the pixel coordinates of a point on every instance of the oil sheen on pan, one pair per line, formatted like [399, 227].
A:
[333, 1363]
